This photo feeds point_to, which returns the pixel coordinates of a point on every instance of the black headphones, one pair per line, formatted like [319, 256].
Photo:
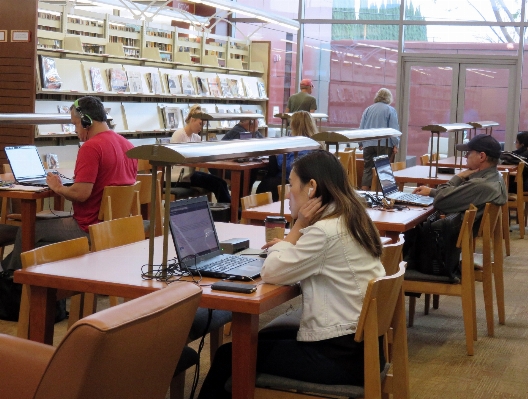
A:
[86, 120]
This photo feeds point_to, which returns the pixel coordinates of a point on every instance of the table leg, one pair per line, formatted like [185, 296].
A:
[245, 333]
[246, 190]
[236, 176]
[28, 213]
[42, 314]
[58, 203]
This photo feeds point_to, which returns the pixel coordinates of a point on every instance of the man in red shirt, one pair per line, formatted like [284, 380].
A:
[101, 162]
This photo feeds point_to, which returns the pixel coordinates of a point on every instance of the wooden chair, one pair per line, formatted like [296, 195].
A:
[38, 256]
[506, 215]
[143, 166]
[423, 283]
[348, 160]
[8, 232]
[391, 256]
[145, 198]
[287, 188]
[117, 232]
[398, 165]
[383, 311]
[424, 160]
[129, 351]
[253, 200]
[489, 264]
[120, 202]
[516, 200]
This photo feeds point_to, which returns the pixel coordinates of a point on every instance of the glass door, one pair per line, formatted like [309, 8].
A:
[436, 92]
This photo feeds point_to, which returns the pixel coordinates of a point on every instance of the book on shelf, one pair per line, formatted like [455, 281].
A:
[223, 124]
[232, 123]
[155, 83]
[173, 83]
[224, 85]
[134, 82]
[50, 76]
[234, 87]
[66, 127]
[118, 79]
[214, 87]
[187, 84]
[261, 90]
[247, 87]
[97, 79]
[201, 86]
[173, 117]
[185, 112]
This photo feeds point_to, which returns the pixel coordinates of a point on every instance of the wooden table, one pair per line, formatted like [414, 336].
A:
[117, 271]
[28, 200]
[240, 172]
[420, 176]
[389, 223]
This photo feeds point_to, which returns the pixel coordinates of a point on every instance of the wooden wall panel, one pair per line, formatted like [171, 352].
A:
[17, 70]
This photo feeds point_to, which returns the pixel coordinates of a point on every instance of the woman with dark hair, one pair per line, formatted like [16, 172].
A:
[334, 250]
[521, 149]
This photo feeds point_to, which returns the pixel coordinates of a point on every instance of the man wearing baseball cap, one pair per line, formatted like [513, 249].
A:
[302, 101]
[477, 185]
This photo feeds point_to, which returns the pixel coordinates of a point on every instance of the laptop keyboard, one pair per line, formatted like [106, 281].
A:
[226, 264]
[415, 199]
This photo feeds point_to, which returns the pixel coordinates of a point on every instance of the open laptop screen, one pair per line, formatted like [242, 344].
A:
[192, 227]
[385, 175]
[246, 135]
[25, 162]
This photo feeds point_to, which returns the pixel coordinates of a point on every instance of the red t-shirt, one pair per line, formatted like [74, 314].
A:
[102, 161]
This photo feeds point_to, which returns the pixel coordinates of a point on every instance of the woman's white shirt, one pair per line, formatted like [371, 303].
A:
[334, 271]
[179, 136]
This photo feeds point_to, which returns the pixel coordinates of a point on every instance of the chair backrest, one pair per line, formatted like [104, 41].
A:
[519, 181]
[287, 188]
[144, 165]
[118, 201]
[391, 256]
[424, 160]
[384, 309]
[348, 160]
[465, 243]
[127, 351]
[145, 198]
[491, 232]
[399, 165]
[117, 232]
[254, 200]
[54, 252]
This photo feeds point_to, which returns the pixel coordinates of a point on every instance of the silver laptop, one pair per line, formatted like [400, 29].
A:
[197, 247]
[389, 187]
[27, 167]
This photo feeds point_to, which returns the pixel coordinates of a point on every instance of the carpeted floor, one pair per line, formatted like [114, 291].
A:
[439, 366]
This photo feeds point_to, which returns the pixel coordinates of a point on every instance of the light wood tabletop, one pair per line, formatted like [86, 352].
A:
[389, 223]
[117, 271]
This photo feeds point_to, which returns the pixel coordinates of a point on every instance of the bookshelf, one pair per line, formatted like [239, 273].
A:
[79, 41]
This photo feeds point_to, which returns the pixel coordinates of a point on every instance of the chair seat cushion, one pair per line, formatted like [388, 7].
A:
[415, 275]
[188, 358]
[7, 234]
[287, 384]
[220, 318]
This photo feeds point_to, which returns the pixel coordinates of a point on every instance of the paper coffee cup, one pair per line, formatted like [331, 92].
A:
[275, 226]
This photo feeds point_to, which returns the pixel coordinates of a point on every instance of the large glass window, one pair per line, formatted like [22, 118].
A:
[465, 10]
[456, 39]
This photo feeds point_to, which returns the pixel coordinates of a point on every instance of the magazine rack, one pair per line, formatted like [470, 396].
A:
[351, 136]
[166, 155]
[285, 118]
[455, 128]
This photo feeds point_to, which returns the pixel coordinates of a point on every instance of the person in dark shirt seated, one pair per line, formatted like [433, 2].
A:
[521, 145]
[246, 125]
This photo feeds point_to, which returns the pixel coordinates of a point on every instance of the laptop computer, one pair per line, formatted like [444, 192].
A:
[245, 135]
[197, 247]
[27, 167]
[389, 187]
